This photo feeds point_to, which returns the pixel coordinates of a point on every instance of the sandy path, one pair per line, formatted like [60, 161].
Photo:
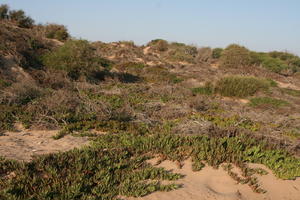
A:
[212, 184]
[26, 143]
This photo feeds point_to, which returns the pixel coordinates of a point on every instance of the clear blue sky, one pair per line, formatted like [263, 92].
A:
[261, 25]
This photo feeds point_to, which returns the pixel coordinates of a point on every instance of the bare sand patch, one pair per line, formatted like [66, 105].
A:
[216, 184]
[24, 144]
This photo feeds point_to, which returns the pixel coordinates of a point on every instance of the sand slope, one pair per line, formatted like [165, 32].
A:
[24, 144]
[212, 184]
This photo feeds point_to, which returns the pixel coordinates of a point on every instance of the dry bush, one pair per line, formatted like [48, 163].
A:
[20, 93]
[199, 103]
[235, 56]
[53, 79]
[204, 54]
[55, 109]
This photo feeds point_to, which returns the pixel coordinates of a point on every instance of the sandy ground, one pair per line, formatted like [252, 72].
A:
[24, 144]
[207, 184]
[212, 184]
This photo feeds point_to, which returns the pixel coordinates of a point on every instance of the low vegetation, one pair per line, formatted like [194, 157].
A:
[77, 58]
[239, 86]
[235, 56]
[136, 103]
[115, 165]
[16, 16]
[267, 102]
[55, 31]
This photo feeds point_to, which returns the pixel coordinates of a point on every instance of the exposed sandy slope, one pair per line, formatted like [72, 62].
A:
[24, 144]
[212, 184]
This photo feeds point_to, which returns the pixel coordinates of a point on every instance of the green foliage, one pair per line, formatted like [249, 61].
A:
[56, 31]
[115, 165]
[235, 56]
[217, 53]
[230, 121]
[91, 173]
[4, 11]
[278, 62]
[214, 151]
[274, 64]
[21, 19]
[76, 57]
[241, 86]
[267, 101]
[207, 89]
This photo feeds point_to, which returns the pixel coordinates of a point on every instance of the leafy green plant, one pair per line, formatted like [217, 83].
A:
[267, 101]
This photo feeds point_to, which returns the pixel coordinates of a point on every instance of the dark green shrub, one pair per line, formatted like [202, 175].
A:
[216, 53]
[56, 31]
[4, 11]
[235, 56]
[76, 57]
[239, 86]
[21, 19]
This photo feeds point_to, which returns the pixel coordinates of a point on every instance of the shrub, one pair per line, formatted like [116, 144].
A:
[76, 57]
[180, 52]
[4, 11]
[56, 31]
[267, 101]
[21, 19]
[207, 89]
[239, 86]
[159, 45]
[217, 53]
[235, 56]
[278, 62]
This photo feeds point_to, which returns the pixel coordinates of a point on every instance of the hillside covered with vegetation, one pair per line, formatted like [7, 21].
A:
[163, 99]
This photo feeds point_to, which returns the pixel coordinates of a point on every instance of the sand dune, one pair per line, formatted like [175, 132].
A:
[216, 184]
